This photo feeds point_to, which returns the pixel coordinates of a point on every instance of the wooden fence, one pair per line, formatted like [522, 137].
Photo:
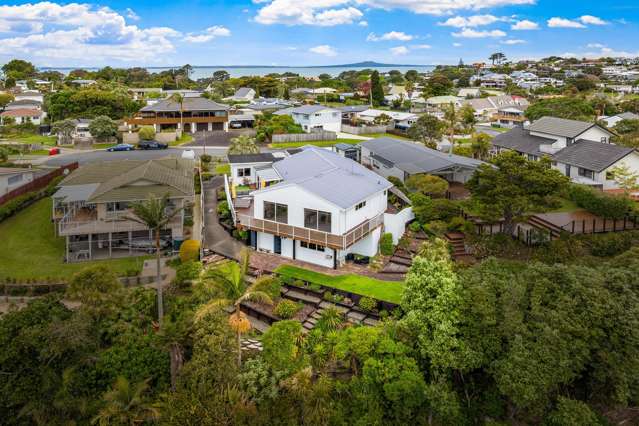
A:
[305, 137]
[37, 183]
[356, 130]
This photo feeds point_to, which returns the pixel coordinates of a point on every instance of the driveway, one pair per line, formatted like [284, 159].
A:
[218, 138]
[215, 236]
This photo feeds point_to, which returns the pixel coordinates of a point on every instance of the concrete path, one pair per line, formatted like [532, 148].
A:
[215, 236]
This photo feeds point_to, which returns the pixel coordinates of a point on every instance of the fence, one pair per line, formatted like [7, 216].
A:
[601, 225]
[37, 183]
[355, 130]
[305, 137]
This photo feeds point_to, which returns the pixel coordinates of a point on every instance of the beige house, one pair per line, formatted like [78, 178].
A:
[91, 208]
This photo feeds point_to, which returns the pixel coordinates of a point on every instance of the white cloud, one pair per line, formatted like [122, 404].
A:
[393, 35]
[592, 20]
[564, 23]
[470, 21]
[595, 46]
[130, 13]
[469, 33]
[513, 41]
[399, 50]
[421, 46]
[76, 32]
[323, 49]
[457, 45]
[311, 12]
[208, 34]
[524, 25]
[363, 23]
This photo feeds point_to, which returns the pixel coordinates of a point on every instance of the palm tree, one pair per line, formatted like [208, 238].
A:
[178, 98]
[155, 213]
[451, 117]
[480, 145]
[231, 278]
[243, 144]
[125, 405]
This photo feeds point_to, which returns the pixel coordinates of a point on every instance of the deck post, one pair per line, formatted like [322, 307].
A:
[66, 258]
[583, 226]
[573, 226]
[110, 240]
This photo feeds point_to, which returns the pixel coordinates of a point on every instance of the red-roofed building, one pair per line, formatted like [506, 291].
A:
[23, 115]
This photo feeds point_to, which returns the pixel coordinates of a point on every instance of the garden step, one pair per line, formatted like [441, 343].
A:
[357, 316]
[401, 261]
[327, 305]
[296, 295]
[311, 320]
[370, 321]
[259, 325]
[403, 254]
[308, 326]
[316, 315]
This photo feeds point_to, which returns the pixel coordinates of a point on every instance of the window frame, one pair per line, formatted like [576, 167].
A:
[277, 213]
[326, 226]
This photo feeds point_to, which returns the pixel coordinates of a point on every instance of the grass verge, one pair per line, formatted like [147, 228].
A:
[43, 140]
[30, 249]
[223, 169]
[322, 144]
[185, 138]
[390, 291]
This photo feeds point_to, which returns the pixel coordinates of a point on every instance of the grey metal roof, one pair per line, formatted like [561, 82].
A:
[345, 146]
[242, 117]
[595, 156]
[73, 193]
[188, 104]
[520, 140]
[267, 174]
[353, 108]
[24, 102]
[628, 116]
[310, 109]
[265, 157]
[413, 158]
[328, 175]
[242, 92]
[561, 126]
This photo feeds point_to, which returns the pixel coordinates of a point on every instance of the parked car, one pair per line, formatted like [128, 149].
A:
[152, 145]
[235, 125]
[54, 151]
[121, 147]
[188, 154]
[149, 245]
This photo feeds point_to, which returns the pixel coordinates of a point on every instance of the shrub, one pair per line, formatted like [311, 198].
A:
[271, 285]
[436, 228]
[189, 251]
[386, 244]
[609, 244]
[367, 304]
[147, 133]
[444, 209]
[223, 209]
[600, 203]
[415, 226]
[205, 158]
[286, 309]
[457, 223]
[186, 272]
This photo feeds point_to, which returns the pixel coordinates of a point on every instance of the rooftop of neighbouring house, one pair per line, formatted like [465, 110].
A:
[562, 127]
[188, 104]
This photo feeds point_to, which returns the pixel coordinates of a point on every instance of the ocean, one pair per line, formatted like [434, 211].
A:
[241, 71]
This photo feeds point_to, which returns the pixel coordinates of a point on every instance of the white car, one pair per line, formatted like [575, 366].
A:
[188, 154]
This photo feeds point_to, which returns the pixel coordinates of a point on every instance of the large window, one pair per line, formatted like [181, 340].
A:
[312, 246]
[317, 219]
[587, 173]
[275, 212]
[244, 172]
[118, 206]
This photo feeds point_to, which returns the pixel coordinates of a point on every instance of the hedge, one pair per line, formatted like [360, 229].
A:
[189, 251]
[599, 203]
[386, 244]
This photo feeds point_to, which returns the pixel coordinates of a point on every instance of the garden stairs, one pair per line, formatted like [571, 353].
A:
[543, 225]
[456, 240]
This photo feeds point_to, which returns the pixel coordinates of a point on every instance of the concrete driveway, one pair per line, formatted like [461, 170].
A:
[215, 236]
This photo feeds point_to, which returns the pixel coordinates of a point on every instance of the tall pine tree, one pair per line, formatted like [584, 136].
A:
[376, 89]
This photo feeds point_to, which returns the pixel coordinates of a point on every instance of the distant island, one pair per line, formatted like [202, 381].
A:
[364, 64]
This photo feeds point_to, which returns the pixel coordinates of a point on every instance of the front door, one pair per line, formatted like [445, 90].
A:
[568, 170]
[277, 245]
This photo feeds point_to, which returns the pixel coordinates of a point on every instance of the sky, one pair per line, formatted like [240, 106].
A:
[312, 32]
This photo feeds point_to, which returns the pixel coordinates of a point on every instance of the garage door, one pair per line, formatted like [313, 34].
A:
[218, 126]
[202, 127]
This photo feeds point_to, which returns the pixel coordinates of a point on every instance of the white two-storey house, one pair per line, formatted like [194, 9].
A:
[316, 117]
[323, 207]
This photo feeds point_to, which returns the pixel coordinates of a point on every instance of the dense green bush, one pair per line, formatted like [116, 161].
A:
[600, 203]
[367, 304]
[223, 210]
[436, 228]
[386, 244]
[187, 272]
[610, 244]
[205, 158]
[147, 133]
[415, 226]
[286, 309]
[189, 251]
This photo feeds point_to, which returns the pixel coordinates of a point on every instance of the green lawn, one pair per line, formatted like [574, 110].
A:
[390, 291]
[567, 206]
[30, 249]
[185, 138]
[44, 140]
[223, 169]
[322, 144]
[103, 145]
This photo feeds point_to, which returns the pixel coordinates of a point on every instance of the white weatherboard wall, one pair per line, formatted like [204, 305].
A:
[594, 134]
[396, 223]
[631, 161]
[248, 179]
[326, 119]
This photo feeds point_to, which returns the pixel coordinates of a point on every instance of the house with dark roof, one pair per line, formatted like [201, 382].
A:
[402, 159]
[580, 150]
[92, 206]
[196, 113]
[322, 208]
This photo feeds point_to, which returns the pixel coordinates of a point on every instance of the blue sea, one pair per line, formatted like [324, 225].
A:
[241, 71]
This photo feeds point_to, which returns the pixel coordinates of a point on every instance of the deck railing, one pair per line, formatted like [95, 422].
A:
[339, 242]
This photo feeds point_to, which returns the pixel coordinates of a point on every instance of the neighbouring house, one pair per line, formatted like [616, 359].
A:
[469, 92]
[241, 120]
[32, 95]
[399, 120]
[14, 177]
[197, 114]
[348, 150]
[92, 206]
[349, 112]
[80, 133]
[611, 121]
[23, 115]
[322, 208]
[316, 118]
[485, 108]
[23, 104]
[142, 93]
[244, 171]
[491, 80]
[243, 94]
[578, 149]
[268, 104]
[509, 117]
[442, 101]
[82, 82]
[401, 159]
